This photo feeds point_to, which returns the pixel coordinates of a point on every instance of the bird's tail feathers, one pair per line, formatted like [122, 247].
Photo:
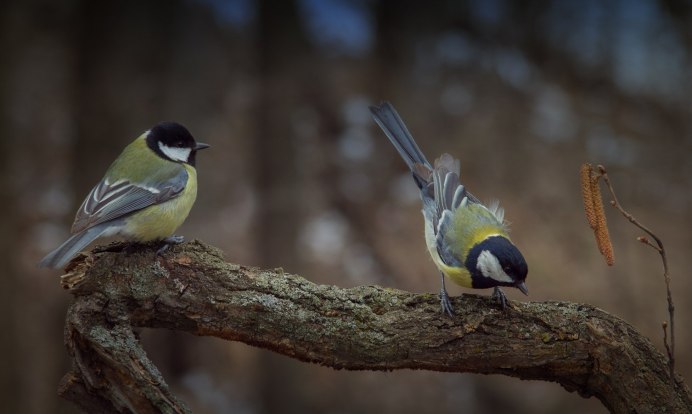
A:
[389, 120]
[59, 257]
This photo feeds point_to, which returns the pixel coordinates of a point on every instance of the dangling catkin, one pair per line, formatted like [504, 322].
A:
[595, 214]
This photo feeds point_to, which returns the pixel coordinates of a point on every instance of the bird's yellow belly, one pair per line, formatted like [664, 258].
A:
[162, 220]
[458, 275]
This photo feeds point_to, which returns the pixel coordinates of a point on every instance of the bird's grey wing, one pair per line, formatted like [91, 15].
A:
[450, 196]
[110, 200]
[449, 183]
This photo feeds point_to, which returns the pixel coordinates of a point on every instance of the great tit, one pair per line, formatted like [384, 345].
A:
[145, 195]
[467, 240]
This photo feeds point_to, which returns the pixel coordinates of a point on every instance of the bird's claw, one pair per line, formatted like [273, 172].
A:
[499, 296]
[168, 242]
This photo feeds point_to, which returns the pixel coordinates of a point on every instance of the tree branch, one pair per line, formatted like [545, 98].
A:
[193, 289]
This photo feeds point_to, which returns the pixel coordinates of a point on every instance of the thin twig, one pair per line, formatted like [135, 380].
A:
[664, 325]
[662, 251]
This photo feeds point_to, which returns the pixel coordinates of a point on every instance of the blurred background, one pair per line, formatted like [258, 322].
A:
[300, 177]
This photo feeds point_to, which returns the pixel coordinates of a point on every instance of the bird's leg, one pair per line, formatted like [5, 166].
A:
[444, 298]
[500, 297]
[168, 242]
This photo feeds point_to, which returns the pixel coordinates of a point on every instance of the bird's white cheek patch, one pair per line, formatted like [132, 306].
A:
[490, 267]
[175, 153]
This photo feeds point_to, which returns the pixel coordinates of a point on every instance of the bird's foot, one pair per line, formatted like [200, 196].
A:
[445, 303]
[168, 242]
[499, 296]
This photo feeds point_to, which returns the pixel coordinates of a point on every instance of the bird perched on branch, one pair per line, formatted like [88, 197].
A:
[468, 241]
[145, 195]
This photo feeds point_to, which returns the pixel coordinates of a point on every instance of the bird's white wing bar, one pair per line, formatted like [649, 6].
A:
[109, 201]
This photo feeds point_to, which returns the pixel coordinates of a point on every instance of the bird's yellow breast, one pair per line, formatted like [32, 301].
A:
[162, 220]
[469, 229]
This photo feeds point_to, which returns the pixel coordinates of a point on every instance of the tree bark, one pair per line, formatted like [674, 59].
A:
[192, 289]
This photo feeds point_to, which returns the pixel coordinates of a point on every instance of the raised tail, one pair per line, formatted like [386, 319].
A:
[389, 120]
[59, 257]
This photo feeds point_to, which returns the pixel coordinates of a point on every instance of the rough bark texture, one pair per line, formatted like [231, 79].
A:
[192, 289]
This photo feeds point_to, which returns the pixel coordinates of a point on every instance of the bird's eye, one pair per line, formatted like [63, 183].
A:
[179, 144]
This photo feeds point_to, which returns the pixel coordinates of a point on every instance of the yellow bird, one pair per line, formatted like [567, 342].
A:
[145, 195]
[468, 241]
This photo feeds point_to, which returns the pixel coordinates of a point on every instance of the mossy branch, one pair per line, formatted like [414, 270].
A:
[192, 289]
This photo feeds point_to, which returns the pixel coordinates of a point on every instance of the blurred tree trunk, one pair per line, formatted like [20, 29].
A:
[123, 52]
[36, 116]
[280, 44]
[9, 346]
[281, 48]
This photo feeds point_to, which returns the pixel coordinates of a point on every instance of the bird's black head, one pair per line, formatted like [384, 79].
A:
[174, 142]
[497, 262]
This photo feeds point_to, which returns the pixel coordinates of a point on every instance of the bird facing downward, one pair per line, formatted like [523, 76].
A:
[145, 195]
[468, 241]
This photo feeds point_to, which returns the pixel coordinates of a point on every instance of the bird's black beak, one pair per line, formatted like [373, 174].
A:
[522, 286]
[201, 146]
